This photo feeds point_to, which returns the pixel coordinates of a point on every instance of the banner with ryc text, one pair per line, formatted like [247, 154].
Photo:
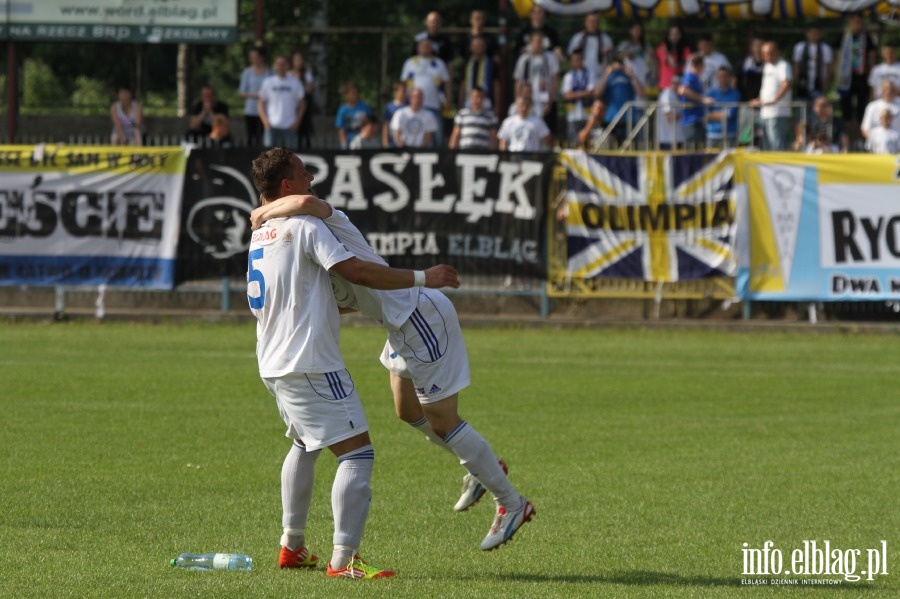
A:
[823, 228]
[658, 217]
[481, 213]
[81, 215]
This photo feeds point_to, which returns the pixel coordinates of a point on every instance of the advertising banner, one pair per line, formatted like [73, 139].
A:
[481, 213]
[151, 21]
[824, 227]
[89, 215]
[654, 216]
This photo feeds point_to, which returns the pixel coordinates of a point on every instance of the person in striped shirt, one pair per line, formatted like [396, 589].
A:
[475, 127]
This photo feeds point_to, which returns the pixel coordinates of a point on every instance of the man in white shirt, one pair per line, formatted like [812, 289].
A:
[774, 100]
[888, 69]
[429, 73]
[593, 43]
[298, 327]
[539, 69]
[282, 102]
[813, 65]
[578, 90]
[426, 356]
[713, 60]
[887, 100]
[523, 132]
[412, 126]
[883, 139]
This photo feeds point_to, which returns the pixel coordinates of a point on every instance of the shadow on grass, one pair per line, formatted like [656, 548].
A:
[648, 578]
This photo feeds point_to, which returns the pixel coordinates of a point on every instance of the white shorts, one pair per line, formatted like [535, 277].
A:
[318, 409]
[429, 349]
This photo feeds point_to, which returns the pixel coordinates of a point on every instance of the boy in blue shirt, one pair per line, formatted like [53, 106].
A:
[349, 119]
[722, 121]
[691, 93]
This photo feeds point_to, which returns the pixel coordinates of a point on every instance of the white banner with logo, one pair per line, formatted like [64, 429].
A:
[818, 227]
[90, 215]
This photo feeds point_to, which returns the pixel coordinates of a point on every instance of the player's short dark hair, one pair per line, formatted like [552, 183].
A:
[270, 168]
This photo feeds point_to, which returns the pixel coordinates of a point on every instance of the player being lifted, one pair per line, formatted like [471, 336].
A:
[426, 356]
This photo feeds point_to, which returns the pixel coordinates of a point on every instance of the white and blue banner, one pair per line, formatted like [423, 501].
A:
[89, 215]
[818, 228]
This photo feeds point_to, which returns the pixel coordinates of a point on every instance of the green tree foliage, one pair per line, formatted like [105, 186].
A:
[40, 85]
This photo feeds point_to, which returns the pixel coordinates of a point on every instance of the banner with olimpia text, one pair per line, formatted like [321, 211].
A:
[81, 215]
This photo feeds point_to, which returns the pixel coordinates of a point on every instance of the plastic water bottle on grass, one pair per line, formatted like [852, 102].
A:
[213, 561]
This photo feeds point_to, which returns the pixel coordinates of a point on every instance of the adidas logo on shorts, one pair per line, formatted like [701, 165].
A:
[434, 389]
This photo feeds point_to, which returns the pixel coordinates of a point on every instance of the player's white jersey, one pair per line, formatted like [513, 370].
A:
[289, 291]
[388, 308]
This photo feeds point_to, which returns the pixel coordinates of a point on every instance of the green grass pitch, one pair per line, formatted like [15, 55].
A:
[650, 456]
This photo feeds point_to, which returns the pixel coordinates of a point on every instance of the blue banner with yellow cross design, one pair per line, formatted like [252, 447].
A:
[658, 217]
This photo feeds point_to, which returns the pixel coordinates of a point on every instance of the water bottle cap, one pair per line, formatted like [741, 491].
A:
[172, 562]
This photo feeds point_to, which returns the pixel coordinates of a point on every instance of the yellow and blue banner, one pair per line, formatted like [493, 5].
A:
[820, 228]
[658, 217]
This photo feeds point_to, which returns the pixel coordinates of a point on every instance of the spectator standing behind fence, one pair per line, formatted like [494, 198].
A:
[690, 93]
[127, 119]
[477, 23]
[479, 71]
[595, 45]
[616, 87]
[540, 69]
[883, 138]
[304, 74]
[813, 65]
[722, 118]
[887, 100]
[639, 56]
[441, 46]
[888, 69]
[200, 121]
[855, 60]
[672, 55]
[578, 91]
[282, 102]
[751, 71]
[774, 100]
[669, 132]
[713, 60]
[524, 91]
[252, 78]
[349, 119]
[429, 73]
[523, 132]
[475, 126]
[537, 23]
[414, 126]
[397, 102]
[369, 137]
[822, 122]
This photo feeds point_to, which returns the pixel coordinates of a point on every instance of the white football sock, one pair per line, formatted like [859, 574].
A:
[423, 427]
[480, 460]
[351, 496]
[297, 476]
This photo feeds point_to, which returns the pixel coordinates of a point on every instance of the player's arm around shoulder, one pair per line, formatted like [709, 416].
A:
[378, 276]
[292, 205]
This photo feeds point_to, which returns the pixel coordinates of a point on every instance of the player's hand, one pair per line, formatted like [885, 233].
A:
[441, 275]
[257, 217]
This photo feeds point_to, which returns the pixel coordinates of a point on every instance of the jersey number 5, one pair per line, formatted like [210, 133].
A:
[254, 274]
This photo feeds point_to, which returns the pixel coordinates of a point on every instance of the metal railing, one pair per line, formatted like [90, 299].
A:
[640, 119]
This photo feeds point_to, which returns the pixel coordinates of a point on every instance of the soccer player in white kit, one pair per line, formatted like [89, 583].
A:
[298, 328]
[426, 356]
